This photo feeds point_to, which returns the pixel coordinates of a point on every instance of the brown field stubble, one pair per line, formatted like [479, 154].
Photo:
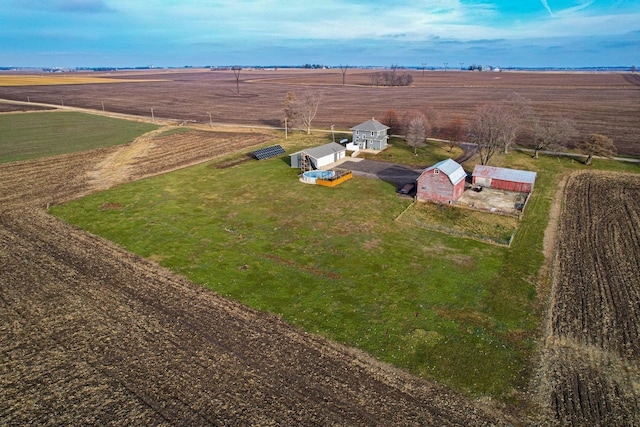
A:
[591, 357]
[605, 103]
[92, 334]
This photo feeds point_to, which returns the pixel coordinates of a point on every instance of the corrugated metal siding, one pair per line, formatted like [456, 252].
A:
[505, 179]
[522, 187]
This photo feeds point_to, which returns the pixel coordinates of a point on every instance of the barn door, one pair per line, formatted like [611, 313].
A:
[484, 182]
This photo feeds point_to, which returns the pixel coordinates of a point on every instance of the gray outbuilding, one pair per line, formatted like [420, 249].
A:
[318, 157]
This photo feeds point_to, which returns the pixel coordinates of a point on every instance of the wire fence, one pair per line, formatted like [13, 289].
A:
[412, 220]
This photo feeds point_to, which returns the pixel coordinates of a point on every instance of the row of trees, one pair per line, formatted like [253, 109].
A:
[417, 125]
[391, 78]
[493, 128]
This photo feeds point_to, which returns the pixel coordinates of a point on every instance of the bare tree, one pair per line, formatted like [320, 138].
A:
[433, 118]
[291, 114]
[517, 112]
[491, 128]
[391, 119]
[236, 72]
[596, 145]
[344, 72]
[417, 129]
[551, 134]
[306, 108]
[454, 132]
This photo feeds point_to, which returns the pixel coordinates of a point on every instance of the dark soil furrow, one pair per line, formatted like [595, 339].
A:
[92, 334]
[592, 358]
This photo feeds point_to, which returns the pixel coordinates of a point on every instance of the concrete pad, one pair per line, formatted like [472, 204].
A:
[494, 200]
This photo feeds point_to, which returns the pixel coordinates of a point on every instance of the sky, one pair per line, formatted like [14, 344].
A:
[175, 33]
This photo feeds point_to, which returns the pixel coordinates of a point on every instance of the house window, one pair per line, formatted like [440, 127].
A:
[436, 171]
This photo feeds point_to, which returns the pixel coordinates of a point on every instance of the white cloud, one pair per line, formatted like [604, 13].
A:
[369, 27]
[546, 6]
[574, 9]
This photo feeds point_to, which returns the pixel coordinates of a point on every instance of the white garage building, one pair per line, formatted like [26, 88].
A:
[318, 157]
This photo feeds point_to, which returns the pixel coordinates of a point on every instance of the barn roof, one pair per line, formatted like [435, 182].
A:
[451, 168]
[371, 125]
[323, 150]
[504, 174]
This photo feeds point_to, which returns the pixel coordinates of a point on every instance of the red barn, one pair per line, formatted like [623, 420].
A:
[504, 179]
[442, 182]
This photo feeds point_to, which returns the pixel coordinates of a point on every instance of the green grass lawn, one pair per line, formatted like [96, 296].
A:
[43, 134]
[461, 222]
[334, 261]
[400, 152]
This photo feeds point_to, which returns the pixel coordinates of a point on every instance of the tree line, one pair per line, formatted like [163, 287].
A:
[493, 128]
[391, 78]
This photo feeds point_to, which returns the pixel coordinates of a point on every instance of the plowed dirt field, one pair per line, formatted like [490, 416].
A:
[93, 335]
[605, 103]
[591, 358]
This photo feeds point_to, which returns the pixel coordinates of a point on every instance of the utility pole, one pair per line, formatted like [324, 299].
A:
[461, 65]
[103, 106]
[153, 118]
[210, 122]
[424, 65]
[286, 129]
[445, 66]
[333, 135]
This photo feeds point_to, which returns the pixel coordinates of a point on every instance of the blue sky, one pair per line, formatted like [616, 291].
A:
[523, 33]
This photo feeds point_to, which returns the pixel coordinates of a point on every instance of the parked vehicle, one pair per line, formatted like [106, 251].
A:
[407, 188]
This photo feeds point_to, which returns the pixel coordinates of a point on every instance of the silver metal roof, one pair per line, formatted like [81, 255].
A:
[323, 150]
[451, 168]
[504, 174]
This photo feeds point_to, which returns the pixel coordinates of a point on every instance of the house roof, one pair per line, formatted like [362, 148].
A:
[504, 174]
[323, 150]
[451, 168]
[371, 125]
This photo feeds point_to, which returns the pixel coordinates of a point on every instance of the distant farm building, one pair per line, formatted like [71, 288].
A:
[318, 157]
[442, 182]
[504, 179]
[370, 135]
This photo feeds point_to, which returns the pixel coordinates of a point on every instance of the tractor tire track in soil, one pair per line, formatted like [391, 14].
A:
[590, 364]
[92, 334]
